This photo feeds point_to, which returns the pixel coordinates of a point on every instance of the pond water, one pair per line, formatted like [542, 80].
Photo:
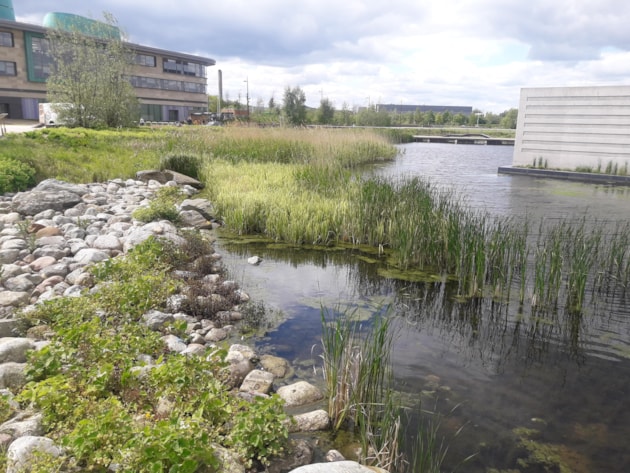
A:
[486, 368]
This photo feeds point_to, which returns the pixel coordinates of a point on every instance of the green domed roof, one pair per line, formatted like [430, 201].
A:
[70, 22]
[6, 10]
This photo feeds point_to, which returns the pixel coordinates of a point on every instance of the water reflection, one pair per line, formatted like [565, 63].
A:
[505, 365]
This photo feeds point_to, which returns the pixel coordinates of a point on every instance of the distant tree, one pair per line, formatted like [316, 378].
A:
[294, 105]
[509, 118]
[90, 72]
[272, 103]
[326, 112]
[459, 119]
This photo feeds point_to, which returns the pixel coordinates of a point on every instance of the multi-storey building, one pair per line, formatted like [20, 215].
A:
[170, 85]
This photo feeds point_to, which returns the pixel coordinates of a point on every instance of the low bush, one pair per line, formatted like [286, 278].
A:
[15, 175]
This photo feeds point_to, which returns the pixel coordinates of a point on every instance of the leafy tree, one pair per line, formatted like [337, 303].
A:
[294, 105]
[509, 118]
[90, 73]
[326, 112]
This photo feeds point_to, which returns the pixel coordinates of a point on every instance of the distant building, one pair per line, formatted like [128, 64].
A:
[404, 108]
[574, 127]
[170, 85]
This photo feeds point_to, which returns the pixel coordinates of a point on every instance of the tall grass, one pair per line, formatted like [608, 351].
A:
[358, 376]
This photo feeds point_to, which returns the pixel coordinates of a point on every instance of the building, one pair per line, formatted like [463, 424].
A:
[404, 108]
[170, 85]
[574, 128]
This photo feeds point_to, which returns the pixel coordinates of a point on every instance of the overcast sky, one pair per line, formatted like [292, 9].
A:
[477, 53]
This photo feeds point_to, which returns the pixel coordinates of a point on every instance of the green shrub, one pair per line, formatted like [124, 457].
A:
[15, 175]
[182, 163]
[162, 207]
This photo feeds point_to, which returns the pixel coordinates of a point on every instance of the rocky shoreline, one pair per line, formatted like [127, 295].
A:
[49, 238]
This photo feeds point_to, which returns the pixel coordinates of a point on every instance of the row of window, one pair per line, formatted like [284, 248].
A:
[167, 84]
[40, 57]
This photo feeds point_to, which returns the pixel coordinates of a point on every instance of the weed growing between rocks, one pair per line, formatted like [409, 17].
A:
[116, 399]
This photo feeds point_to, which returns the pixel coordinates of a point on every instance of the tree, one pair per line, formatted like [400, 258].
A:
[509, 118]
[326, 112]
[294, 105]
[90, 73]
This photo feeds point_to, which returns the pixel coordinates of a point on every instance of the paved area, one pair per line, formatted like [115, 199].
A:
[19, 126]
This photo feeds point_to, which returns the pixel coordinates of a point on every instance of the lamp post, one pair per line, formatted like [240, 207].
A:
[247, 96]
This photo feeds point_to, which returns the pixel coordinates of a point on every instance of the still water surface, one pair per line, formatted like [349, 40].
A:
[488, 368]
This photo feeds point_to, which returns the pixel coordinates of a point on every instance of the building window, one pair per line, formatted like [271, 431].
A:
[6, 39]
[165, 84]
[38, 58]
[186, 68]
[7, 68]
[144, 60]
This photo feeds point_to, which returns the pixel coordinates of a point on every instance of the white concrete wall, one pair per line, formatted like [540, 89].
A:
[572, 127]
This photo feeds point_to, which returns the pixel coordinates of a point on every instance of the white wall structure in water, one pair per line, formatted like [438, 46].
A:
[574, 128]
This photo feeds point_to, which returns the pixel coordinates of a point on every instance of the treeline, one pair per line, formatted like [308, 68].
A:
[293, 111]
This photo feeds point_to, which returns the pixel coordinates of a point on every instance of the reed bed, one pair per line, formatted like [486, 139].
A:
[300, 186]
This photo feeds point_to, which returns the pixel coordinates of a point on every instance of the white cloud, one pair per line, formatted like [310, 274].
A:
[461, 52]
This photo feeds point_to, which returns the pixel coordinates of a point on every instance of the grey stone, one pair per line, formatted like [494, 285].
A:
[299, 394]
[12, 375]
[23, 424]
[336, 467]
[10, 298]
[157, 320]
[174, 344]
[90, 255]
[14, 349]
[25, 450]
[257, 381]
[310, 421]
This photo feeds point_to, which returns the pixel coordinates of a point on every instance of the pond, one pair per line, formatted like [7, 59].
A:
[489, 371]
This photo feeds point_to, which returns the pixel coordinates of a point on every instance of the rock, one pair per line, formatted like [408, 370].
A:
[257, 381]
[90, 255]
[48, 195]
[201, 206]
[27, 450]
[190, 218]
[42, 262]
[13, 299]
[166, 176]
[12, 375]
[337, 467]
[22, 283]
[194, 349]
[229, 462]
[310, 421]
[216, 335]
[241, 360]
[299, 453]
[278, 366]
[174, 343]
[254, 260]
[107, 243]
[8, 327]
[299, 394]
[14, 349]
[334, 456]
[157, 320]
[23, 424]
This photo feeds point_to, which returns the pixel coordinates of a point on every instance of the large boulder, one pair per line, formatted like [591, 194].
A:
[299, 394]
[337, 467]
[25, 451]
[50, 194]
